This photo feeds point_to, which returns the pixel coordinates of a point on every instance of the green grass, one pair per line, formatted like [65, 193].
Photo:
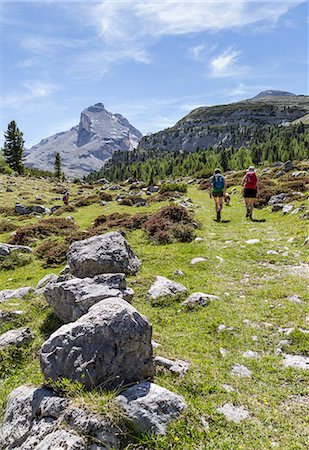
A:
[253, 287]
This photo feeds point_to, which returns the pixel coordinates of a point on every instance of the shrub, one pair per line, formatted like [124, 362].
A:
[118, 220]
[56, 226]
[170, 223]
[53, 253]
[170, 187]
[86, 201]
[126, 202]
[205, 184]
[64, 209]
[7, 226]
[161, 197]
[15, 259]
[104, 196]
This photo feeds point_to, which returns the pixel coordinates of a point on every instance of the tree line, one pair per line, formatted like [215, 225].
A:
[268, 144]
[12, 156]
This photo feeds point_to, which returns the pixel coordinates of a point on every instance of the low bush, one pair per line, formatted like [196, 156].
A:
[53, 253]
[170, 223]
[56, 226]
[86, 201]
[15, 259]
[118, 220]
[64, 209]
[126, 202]
[161, 197]
[7, 226]
[104, 196]
[171, 187]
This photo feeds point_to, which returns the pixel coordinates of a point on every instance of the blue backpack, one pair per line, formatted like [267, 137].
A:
[218, 182]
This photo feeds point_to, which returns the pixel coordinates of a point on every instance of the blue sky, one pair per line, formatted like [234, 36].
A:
[151, 61]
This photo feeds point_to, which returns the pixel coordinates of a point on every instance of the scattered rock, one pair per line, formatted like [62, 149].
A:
[306, 242]
[272, 252]
[7, 316]
[37, 419]
[228, 388]
[178, 367]
[287, 208]
[199, 239]
[198, 260]
[241, 371]
[19, 337]
[294, 298]
[163, 287]
[7, 294]
[199, 299]
[45, 281]
[21, 209]
[40, 209]
[179, 273]
[252, 241]
[279, 198]
[107, 253]
[6, 249]
[233, 413]
[250, 354]
[110, 346]
[221, 327]
[73, 298]
[150, 407]
[223, 352]
[296, 361]
[277, 207]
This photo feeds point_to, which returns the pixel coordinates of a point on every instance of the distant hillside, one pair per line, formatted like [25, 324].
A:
[228, 125]
[86, 146]
[271, 93]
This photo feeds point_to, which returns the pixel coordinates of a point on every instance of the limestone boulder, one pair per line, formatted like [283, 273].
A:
[19, 337]
[109, 346]
[8, 294]
[6, 249]
[278, 198]
[198, 299]
[107, 253]
[73, 298]
[151, 407]
[38, 419]
[21, 209]
[163, 287]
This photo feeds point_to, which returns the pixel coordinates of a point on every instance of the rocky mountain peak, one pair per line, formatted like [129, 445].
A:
[274, 93]
[86, 146]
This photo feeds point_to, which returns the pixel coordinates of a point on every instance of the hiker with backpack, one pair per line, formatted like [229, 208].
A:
[218, 191]
[250, 186]
[65, 198]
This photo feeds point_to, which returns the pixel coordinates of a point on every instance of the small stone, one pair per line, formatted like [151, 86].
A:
[219, 259]
[296, 361]
[250, 354]
[198, 239]
[252, 241]
[223, 352]
[179, 273]
[287, 208]
[254, 338]
[228, 388]
[241, 371]
[272, 252]
[205, 423]
[233, 413]
[155, 344]
[284, 342]
[199, 299]
[197, 260]
[221, 328]
[294, 298]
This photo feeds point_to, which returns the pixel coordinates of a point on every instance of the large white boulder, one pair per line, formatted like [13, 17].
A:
[19, 337]
[73, 298]
[37, 419]
[106, 253]
[110, 346]
[163, 287]
[150, 407]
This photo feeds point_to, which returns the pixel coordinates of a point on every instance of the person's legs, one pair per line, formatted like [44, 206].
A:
[250, 206]
[218, 203]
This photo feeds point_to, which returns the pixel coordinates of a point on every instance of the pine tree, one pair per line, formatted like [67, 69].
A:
[13, 149]
[57, 166]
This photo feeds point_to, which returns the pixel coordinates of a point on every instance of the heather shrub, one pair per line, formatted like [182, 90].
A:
[86, 201]
[119, 220]
[15, 259]
[64, 209]
[56, 226]
[170, 223]
[7, 226]
[170, 187]
[126, 202]
[104, 196]
[52, 253]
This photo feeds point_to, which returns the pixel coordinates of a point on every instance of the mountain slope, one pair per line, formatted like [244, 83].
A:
[228, 125]
[86, 146]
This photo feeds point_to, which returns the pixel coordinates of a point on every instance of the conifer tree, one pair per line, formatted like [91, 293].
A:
[57, 166]
[13, 149]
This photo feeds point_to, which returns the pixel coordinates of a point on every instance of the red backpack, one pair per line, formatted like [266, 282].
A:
[250, 180]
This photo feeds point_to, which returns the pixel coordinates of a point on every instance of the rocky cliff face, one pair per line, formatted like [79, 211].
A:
[86, 146]
[228, 125]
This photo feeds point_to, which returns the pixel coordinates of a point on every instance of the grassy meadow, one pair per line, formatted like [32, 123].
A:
[254, 289]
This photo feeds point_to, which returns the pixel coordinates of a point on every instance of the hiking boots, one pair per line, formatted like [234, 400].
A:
[248, 213]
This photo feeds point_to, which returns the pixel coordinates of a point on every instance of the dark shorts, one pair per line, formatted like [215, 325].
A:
[250, 193]
[217, 194]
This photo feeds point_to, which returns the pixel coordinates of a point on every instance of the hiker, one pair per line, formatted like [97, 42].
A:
[218, 191]
[65, 198]
[250, 185]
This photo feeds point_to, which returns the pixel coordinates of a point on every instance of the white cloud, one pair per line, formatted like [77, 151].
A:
[32, 90]
[226, 64]
[196, 51]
